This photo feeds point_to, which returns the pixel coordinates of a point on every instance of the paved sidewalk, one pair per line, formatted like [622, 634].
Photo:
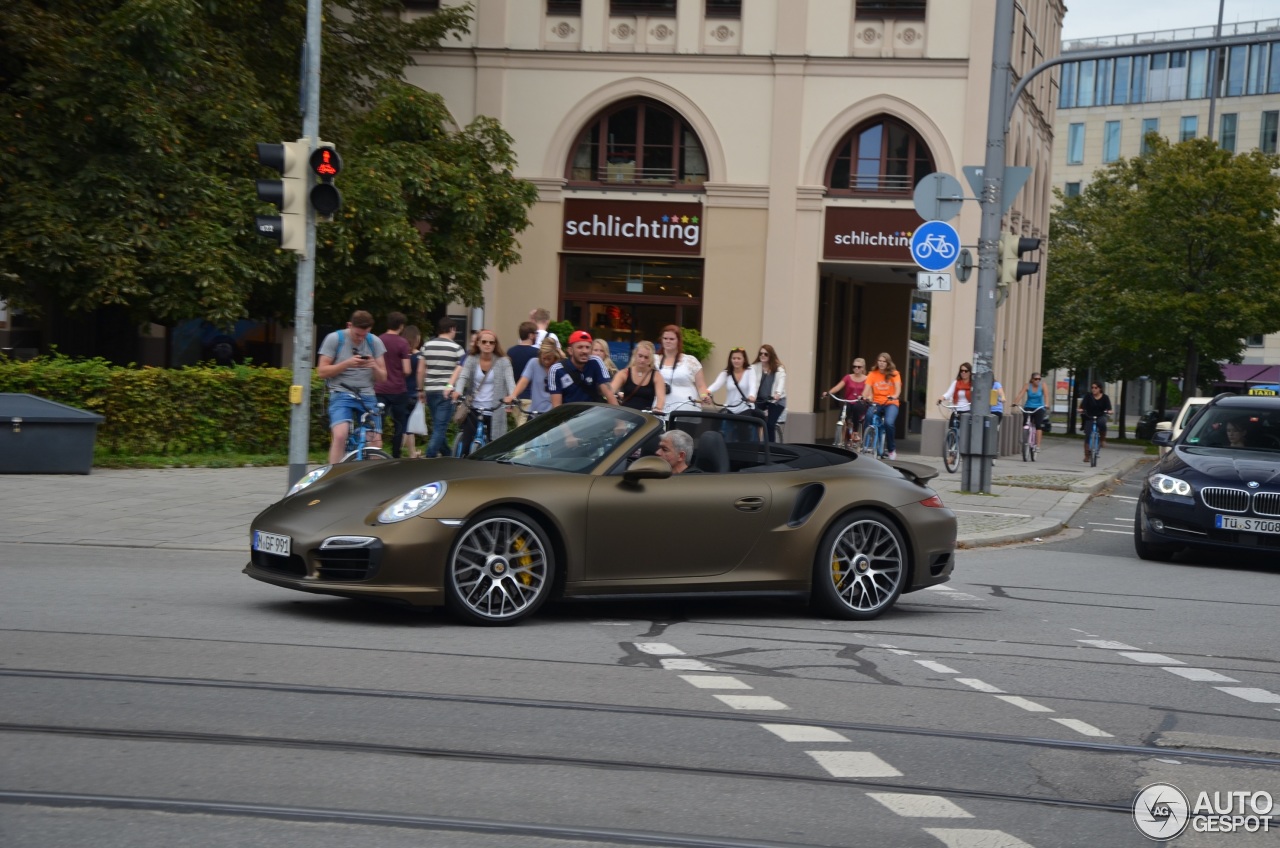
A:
[211, 508]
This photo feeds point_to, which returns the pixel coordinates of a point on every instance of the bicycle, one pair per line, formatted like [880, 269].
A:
[1030, 433]
[481, 437]
[874, 434]
[938, 243]
[951, 444]
[358, 436]
[846, 435]
[1093, 437]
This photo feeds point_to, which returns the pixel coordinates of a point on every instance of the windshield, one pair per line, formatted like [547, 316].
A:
[1237, 427]
[573, 437]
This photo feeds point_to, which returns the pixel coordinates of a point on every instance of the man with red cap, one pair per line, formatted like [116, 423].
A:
[581, 377]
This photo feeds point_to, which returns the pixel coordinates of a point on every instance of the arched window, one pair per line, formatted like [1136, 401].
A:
[638, 142]
[881, 156]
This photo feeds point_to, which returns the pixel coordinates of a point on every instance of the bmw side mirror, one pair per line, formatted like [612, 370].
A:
[647, 468]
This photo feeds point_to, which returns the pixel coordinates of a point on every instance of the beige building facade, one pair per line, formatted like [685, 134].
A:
[746, 169]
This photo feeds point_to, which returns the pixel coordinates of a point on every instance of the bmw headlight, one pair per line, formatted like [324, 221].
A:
[1166, 485]
[414, 502]
[309, 478]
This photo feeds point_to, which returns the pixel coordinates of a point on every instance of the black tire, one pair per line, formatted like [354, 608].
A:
[1093, 458]
[500, 570]
[1145, 550]
[869, 440]
[369, 453]
[1026, 447]
[951, 451]
[861, 566]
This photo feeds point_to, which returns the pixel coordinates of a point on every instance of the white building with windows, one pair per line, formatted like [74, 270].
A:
[746, 168]
[1107, 106]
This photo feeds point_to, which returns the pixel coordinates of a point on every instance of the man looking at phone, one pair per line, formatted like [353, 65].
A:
[351, 361]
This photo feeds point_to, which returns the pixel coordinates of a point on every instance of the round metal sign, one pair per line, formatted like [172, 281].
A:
[938, 197]
[935, 245]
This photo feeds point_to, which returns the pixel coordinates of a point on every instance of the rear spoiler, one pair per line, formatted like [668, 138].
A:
[916, 472]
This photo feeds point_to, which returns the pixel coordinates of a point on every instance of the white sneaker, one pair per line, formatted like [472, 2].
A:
[893, 454]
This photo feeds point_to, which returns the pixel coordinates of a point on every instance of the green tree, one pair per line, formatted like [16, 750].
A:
[127, 131]
[1165, 262]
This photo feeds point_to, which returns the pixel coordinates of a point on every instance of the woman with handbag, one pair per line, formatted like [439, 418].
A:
[771, 388]
[486, 380]
[738, 381]
[639, 385]
[681, 372]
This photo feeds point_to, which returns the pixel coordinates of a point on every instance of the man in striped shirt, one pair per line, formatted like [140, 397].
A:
[442, 355]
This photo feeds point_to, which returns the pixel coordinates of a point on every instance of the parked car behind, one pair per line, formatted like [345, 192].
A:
[1147, 423]
[1190, 407]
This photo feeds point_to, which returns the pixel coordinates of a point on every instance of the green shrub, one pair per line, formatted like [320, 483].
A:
[696, 345]
[561, 330]
[172, 411]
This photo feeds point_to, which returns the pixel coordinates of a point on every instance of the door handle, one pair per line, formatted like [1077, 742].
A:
[750, 504]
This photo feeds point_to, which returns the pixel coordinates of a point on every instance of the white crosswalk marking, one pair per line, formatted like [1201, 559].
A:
[714, 681]
[752, 702]
[1107, 644]
[1080, 727]
[658, 648]
[1257, 696]
[964, 838]
[1029, 706]
[1203, 675]
[678, 664]
[920, 806]
[804, 733]
[1152, 659]
[979, 685]
[854, 764]
[937, 666]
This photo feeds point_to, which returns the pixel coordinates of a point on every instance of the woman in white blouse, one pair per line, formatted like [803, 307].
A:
[681, 373]
[738, 381]
[771, 387]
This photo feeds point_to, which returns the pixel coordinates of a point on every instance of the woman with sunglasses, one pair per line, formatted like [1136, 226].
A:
[487, 381]
[1094, 409]
[1032, 401]
[771, 388]
[884, 387]
[738, 380]
[681, 372]
[851, 386]
[960, 393]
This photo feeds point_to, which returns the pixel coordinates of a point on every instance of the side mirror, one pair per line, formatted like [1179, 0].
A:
[1162, 436]
[647, 468]
[1164, 425]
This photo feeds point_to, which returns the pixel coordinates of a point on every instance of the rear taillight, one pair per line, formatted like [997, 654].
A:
[935, 502]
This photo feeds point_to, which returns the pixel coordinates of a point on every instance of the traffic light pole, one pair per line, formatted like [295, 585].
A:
[981, 448]
[304, 306]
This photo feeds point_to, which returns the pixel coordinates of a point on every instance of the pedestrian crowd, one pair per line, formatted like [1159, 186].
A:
[425, 386]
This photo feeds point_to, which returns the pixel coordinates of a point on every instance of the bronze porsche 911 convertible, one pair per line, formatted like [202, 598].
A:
[575, 504]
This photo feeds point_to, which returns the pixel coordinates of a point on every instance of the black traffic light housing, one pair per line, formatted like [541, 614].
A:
[325, 164]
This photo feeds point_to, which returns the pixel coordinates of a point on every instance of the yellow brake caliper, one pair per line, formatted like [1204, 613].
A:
[520, 544]
[836, 573]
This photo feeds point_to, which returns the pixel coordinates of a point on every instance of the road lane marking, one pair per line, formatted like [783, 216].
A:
[920, 806]
[658, 648]
[1150, 659]
[1203, 675]
[979, 685]
[1121, 532]
[1257, 696]
[714, 681]
[1080, 727]
[901, 652]
[1029, 706]
[990, 512]
[854, 764]
[752, 702]
[937, 666]
[804, 733]
[964, 838]
[938, 589]
[1123, 497]
[1100, 524]
[1107, 644]
[678, 664]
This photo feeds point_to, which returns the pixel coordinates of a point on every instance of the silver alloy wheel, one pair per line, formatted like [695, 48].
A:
[499, 569]
[866, 566]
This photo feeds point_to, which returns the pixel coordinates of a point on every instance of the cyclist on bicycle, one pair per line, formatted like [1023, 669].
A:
[1031, 399]
[851, 386]
[485, 379]
[350, 363]
[884, 387]
[1094, 407]
[960, 393]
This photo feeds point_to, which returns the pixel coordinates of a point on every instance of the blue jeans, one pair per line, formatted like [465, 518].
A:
[890, 419]
[441, 409]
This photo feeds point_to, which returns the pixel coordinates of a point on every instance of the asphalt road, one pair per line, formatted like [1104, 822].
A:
[162, 698]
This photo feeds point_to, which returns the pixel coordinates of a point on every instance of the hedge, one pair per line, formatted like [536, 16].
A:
[173, 411]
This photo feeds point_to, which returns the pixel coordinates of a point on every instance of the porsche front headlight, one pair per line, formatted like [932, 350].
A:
[309, 478]
[1166, 485]
[414, 502]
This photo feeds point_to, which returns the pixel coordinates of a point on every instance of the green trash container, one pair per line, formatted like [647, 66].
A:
[39, 436]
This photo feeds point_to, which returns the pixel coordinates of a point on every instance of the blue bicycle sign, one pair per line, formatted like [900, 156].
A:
[935, 245]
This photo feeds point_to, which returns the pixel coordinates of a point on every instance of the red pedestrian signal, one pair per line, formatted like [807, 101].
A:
[325, 164]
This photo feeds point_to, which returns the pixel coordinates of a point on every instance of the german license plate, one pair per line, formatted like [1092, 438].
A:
[271, 543]
[1248, 525]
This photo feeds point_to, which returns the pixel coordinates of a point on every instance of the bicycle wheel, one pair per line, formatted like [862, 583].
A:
[1093, 449]
[869, 439]
[376, 453]
[1026, 444]
[951, 451]
[840, 440]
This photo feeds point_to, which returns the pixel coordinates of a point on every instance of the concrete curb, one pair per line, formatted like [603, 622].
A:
[1033, 529]
[1094, 484]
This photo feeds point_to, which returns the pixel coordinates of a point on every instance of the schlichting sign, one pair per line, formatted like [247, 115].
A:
[858, 232]
[633, 226]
